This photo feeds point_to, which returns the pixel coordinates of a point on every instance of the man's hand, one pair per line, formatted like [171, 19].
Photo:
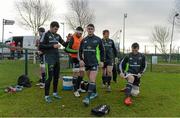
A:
[139, 75]
[81, 62]
[57, 45]
[122, 75]
[116, 60]
[101, 64]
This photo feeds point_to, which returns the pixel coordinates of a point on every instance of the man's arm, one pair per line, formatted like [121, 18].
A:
[123, 64]
[81, 50]
[143, 65]
[101, 48]
[62, 42]
[44, 43]
[114, 49]
[69, 49]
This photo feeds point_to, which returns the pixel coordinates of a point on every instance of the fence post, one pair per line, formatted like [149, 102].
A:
[26, 62]
[151, 64]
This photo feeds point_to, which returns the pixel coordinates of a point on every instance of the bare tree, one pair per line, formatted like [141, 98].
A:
[161, 38]
[34, 13]
[80, 14]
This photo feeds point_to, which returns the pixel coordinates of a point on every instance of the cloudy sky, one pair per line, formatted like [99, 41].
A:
[142, 16]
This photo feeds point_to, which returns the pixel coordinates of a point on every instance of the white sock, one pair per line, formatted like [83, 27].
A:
[46, 97]
[54, 94]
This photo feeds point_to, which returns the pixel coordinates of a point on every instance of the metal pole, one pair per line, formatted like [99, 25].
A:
[155, 49]
[124, 34]
[3, 37]
[151, 64]
[178, 54]
[120, 41]
[171, 39]
[26, 62]
[172, 36]
[63, 30]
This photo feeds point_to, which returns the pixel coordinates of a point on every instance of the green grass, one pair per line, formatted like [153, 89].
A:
[160, 96]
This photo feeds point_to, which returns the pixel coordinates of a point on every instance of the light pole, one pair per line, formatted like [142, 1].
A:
[63, 30]
[172, 35]
[125, 16]
[120, 31]
[155, 49]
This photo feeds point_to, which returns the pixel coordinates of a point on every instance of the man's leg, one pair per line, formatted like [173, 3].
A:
[42, 61]
[75, 84]
[104, 76]
[80, 79]
[109, 77]
[129, 85]
[49, 75]
[75, 76]
[92, 73]
[135, 89]
[43, 73]
[56, 79]
[92, 78]
[114, 73]
[43, 76]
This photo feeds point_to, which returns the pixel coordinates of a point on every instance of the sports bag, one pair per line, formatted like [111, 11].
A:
[101, 110]
[24, 81]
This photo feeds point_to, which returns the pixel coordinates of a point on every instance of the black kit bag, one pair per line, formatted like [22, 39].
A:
[101, 110]
[24, 81]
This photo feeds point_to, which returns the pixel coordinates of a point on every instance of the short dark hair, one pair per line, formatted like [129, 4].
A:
[135, 45]
[41, 29]
[54, 24]
[79, 29]
[105, 31]
[90, 25]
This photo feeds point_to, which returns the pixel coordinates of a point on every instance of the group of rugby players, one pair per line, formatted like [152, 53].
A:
[88, 54]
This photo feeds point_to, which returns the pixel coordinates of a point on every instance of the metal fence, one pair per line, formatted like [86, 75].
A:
[28, 55]
[161, 63]
[156, 62]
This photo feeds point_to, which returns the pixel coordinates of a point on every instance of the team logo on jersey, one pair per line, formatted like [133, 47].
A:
[50, 37]
[57, 38]
[89, 47]
[95, 41]
[94, 68]
[130, 58]
[85, 41]
[135, 63]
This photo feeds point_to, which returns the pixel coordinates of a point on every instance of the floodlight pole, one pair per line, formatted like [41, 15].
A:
[120, 40]
[172, 34]
[125, 16]
[63, 30]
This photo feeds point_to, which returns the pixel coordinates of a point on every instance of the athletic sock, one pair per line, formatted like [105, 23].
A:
[109, 80]
[54, 94]
[46, 97]
[75, 83]
[43, 77]
[128, 89]
[91, 89]
[79, 80]
[95, 90]
[104, 79]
